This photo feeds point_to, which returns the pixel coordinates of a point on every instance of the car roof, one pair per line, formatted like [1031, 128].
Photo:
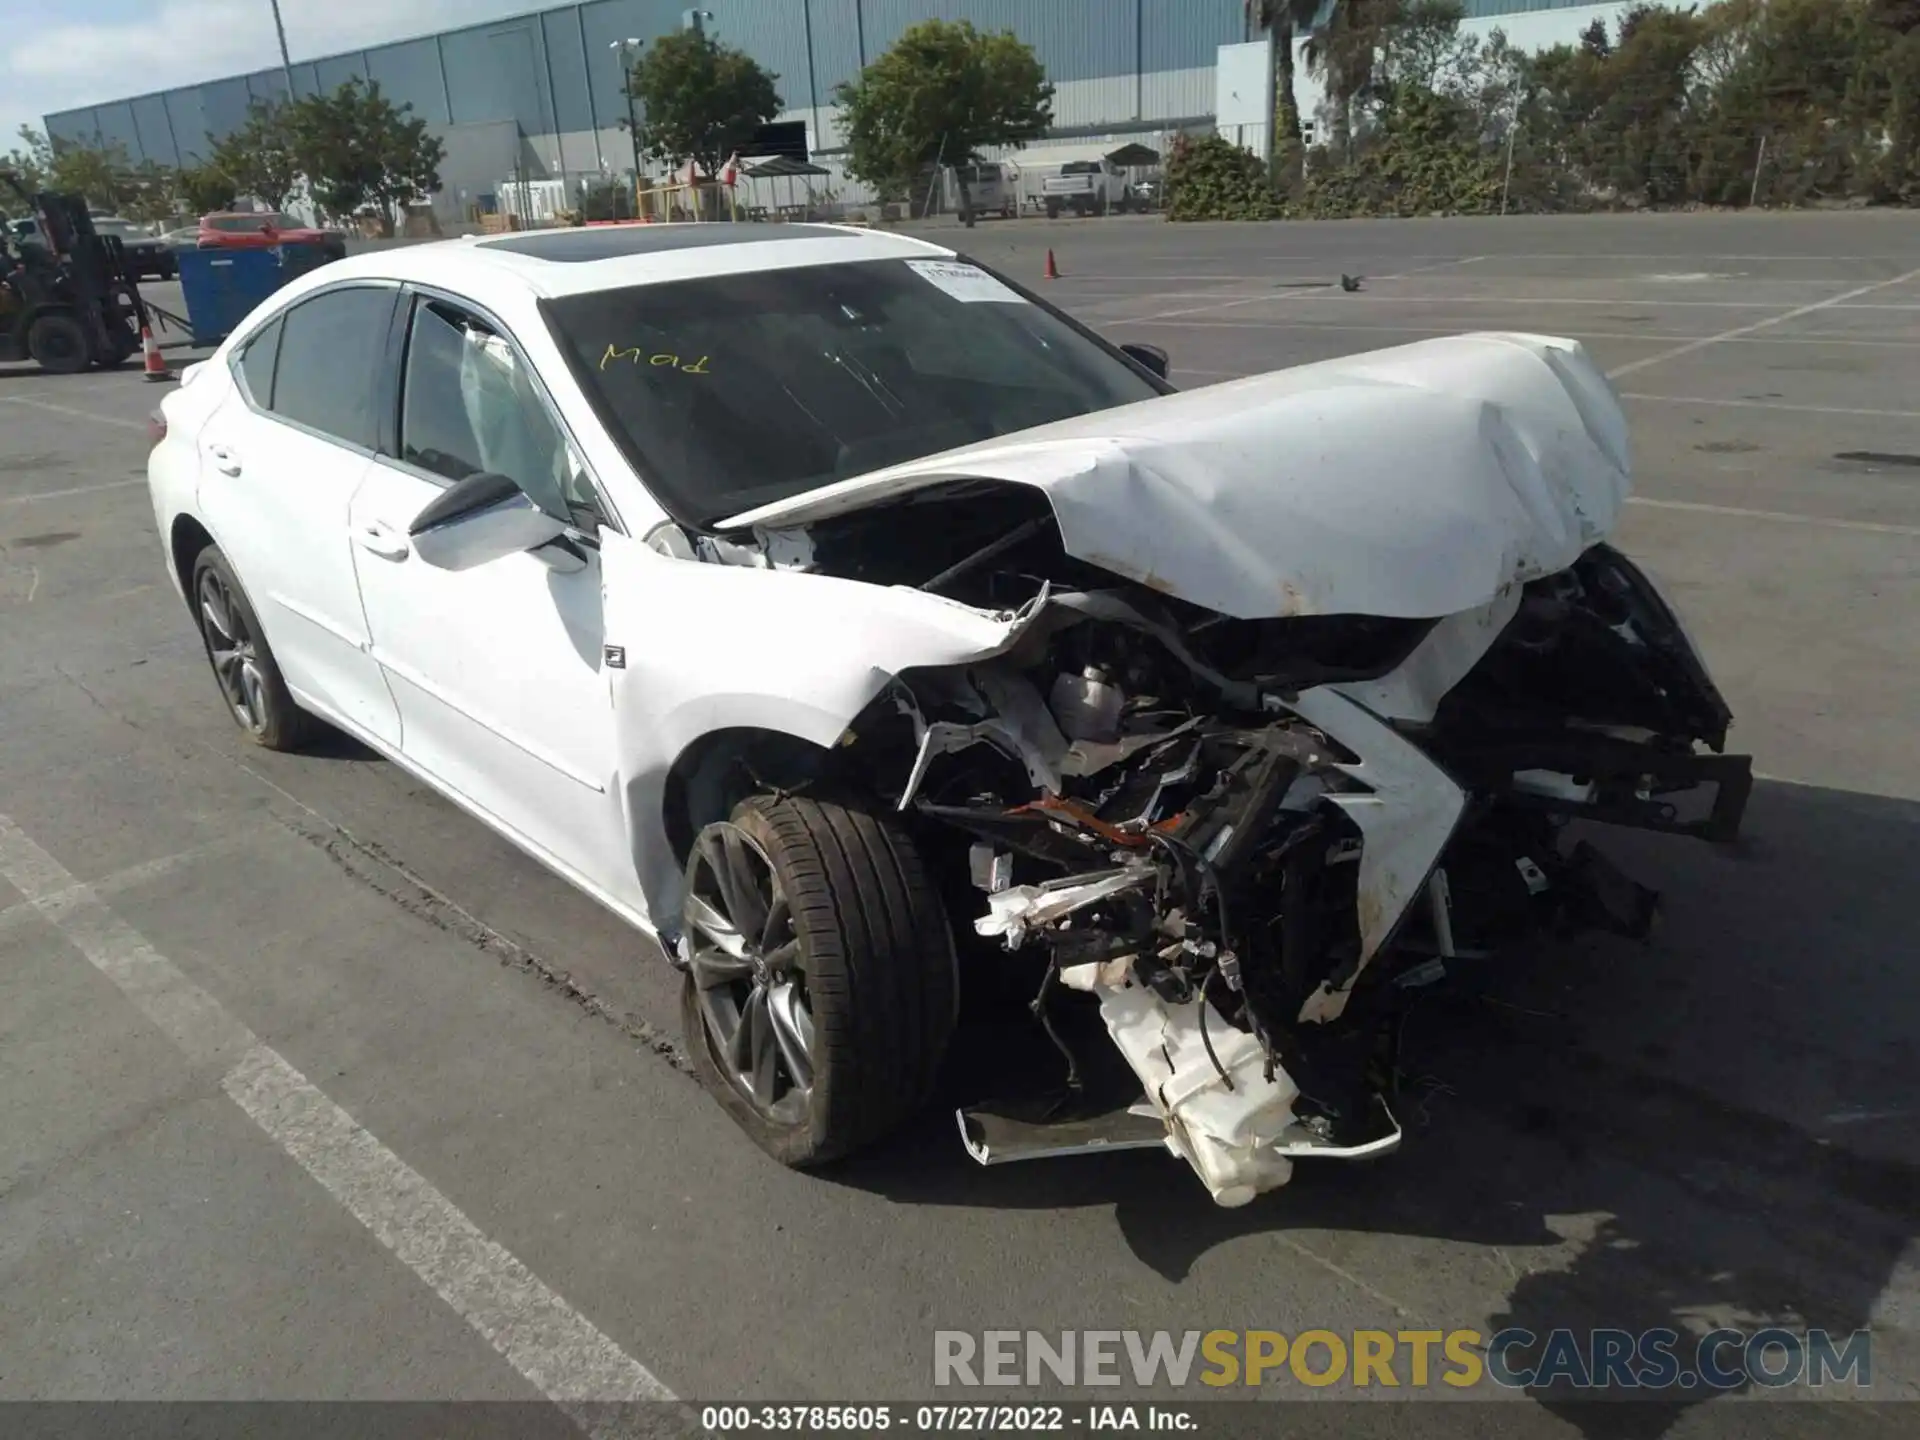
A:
[588, 259]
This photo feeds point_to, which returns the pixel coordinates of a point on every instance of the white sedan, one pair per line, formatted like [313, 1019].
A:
[862, 628]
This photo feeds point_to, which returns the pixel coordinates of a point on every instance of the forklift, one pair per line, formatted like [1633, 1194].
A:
[67, 298]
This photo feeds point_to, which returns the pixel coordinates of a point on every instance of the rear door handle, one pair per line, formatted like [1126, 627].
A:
[382, 539]
[224, 460]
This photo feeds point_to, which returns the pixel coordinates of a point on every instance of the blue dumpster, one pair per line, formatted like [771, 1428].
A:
[222, 287]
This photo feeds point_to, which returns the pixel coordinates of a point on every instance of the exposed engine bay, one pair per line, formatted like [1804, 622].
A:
[1246, 842]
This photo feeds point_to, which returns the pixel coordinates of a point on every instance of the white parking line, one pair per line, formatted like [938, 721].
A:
[118, 422]
[1840, 301]
[145, 873]
[1337, 327]
[72, 490]
[1784, 517]
[544, 1338]
[1772, 405]
[1288, 294]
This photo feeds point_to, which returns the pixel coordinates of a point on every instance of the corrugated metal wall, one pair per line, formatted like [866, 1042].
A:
[556, 72]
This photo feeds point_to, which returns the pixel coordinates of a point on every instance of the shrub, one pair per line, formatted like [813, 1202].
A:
[1211, 178]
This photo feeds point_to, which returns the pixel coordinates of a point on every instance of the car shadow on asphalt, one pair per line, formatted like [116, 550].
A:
[1716, 1127]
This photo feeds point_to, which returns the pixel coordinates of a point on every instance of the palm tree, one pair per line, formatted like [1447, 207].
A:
[1342, 47]
[1281, 20]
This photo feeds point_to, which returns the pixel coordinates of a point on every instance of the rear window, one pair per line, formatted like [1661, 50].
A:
[740, 390]
[329, 357]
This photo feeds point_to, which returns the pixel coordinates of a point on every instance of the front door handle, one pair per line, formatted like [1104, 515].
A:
[382, 539]
[224, 460]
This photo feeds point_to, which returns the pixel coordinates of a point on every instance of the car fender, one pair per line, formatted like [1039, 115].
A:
[694, 648]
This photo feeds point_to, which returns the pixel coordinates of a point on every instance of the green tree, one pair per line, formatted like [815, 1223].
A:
[102, 172]
[203, 189]
[702, 101]
[146, 192]
[358, 151]
[941, 95]
[260, 158]
[28, 163]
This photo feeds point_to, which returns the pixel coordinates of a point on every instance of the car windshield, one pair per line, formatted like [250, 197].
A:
[121, 228]
[741, 390]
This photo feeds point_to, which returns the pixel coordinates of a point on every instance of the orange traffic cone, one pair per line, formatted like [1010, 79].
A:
[1053, 270]
[150, 356]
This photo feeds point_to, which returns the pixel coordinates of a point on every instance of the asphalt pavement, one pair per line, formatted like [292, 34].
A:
[314, 1089]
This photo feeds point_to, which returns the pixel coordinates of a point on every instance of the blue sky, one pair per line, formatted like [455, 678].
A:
[55, 56]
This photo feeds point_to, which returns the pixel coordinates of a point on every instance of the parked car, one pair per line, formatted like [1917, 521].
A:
[148, 256]
[1086, 187]
[238, 230]
[863, 628]
[990, 188]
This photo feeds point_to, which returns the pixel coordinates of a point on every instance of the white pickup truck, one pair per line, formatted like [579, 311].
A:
[1086, 187]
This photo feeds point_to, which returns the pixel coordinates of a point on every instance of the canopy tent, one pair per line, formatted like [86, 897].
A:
[782, 165]
[785, 167]
[1132, 155]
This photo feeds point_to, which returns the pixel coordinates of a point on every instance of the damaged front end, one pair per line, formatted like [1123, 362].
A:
[1278, 732]
[1242, 843]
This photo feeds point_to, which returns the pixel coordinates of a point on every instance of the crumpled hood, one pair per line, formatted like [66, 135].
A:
[1416, 482]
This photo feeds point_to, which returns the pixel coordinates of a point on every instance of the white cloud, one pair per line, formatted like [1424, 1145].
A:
[76, 61]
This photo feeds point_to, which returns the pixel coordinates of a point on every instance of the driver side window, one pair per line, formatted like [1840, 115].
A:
[468, 405]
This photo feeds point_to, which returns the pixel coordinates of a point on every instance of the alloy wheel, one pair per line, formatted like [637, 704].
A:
[744, 957]
[234, 651]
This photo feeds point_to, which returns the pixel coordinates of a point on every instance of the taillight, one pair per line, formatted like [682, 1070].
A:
[156, 427]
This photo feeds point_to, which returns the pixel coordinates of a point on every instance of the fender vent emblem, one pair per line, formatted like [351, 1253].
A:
[616, 657]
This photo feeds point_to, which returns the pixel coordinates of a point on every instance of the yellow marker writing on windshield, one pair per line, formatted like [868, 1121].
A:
[662, 361]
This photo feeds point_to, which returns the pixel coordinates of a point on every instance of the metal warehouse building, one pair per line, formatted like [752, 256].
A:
[540, 96]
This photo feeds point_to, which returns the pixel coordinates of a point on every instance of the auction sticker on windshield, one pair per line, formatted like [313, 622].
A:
[968, 284]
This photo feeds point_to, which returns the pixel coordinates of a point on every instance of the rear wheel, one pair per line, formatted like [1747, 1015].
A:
[243, 665]
[58, 343]
[821, 987]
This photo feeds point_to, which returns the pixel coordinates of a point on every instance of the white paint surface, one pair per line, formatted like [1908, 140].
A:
[1417, 481]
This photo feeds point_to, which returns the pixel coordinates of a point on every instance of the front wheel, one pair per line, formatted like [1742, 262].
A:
[821, 986]
[58, 343]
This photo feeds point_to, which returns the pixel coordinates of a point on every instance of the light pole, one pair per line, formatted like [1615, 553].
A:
[626, 48]
[286, 60]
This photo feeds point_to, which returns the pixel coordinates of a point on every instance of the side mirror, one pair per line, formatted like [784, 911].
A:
[483, 517]
[1150, 357]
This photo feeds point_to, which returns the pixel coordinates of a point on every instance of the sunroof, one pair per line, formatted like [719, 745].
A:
[612, 242]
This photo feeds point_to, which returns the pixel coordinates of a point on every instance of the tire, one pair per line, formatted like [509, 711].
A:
[865, 950]
[250, 682]
[58, 343]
